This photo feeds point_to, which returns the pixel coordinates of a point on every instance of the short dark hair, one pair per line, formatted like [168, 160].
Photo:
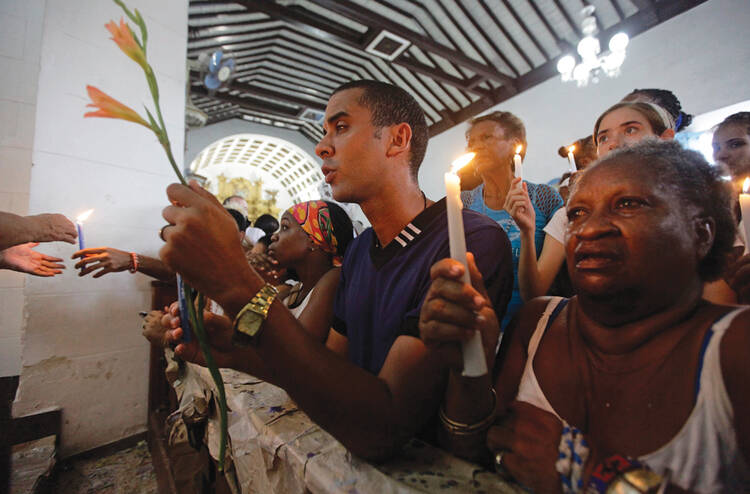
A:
[667, 100]
[267, 223]
[241, 221]
[513, 126]
[695, 182]
[391, 105]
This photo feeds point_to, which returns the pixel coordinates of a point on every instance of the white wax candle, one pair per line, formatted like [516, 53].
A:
[474, 361]
[572, 159]
[517, 162]
[745, 210]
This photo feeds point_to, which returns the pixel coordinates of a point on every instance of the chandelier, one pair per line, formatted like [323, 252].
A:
[593, 64]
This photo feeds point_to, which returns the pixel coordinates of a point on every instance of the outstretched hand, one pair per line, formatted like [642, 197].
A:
[452, 311]
[201, 242]
[105, 259]
[23, 258]
[266, 266]
[518, 205]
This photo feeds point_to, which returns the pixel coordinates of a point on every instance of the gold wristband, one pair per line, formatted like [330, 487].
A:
[247, 324]
[461, 429]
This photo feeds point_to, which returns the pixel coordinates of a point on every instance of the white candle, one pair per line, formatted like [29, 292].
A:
[745, 210]
[572, 159]
[517, 162]
[79, 225]
[474, 360]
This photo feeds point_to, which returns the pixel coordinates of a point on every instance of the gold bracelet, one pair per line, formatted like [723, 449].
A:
[461, 429]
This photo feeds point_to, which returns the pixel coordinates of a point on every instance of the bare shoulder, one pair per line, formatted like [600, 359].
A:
[330, 280]
[528, 317]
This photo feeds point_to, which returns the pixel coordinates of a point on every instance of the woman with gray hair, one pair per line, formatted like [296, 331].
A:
[636, 384]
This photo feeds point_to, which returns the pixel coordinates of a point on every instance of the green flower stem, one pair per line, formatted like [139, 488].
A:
[160, 129]
[200, 333]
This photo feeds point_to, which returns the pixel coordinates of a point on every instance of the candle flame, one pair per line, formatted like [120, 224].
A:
[746, 185]
[461, 161]
[519, 148]
[84, 216]
[571, 149]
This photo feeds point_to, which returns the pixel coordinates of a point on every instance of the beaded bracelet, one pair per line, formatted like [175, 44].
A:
[133, 262]
[461, 429]
[573, 451]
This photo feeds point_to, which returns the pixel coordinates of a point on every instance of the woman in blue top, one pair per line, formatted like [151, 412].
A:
[494, 138]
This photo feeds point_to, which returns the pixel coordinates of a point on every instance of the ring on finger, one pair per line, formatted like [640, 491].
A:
[499, 467]
[161, 232]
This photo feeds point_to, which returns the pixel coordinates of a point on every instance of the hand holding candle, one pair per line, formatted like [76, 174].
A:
[745, 211]
[79, 225]
[474, 360]
[572, 159]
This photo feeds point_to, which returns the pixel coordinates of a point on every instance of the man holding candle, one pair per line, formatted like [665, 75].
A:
[374, 384]
[499, 141]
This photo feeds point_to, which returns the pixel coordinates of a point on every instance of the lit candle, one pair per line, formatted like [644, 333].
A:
[517, 162]
[79, 225]
[474, 361]
[572, 159]
[745, 209]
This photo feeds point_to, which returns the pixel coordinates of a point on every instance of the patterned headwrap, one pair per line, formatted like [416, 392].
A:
[315, 219]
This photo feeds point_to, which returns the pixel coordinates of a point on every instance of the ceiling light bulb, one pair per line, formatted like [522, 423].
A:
[588, 47]
[566, 64]
[619, 42]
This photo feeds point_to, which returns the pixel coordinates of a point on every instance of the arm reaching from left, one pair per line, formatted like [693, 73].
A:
[110, 260]
[24, 259]
[15, 229]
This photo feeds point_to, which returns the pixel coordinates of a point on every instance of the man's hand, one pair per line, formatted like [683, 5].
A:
[528, 438]
[52, 228]
[518, 205]
[738, 278]
[202, 244]
[219, 331]
[23, 258]
[105, 259]
[452, 311]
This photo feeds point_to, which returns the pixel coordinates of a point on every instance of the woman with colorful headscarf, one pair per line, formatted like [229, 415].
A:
[310, 242]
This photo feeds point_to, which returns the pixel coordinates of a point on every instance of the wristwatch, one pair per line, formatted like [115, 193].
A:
[249, 322]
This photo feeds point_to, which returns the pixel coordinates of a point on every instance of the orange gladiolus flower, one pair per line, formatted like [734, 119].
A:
[124, 38]
[111, 108]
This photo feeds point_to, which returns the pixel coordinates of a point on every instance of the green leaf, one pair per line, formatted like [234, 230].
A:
[154, 126]
[127, 12]
[142, 24]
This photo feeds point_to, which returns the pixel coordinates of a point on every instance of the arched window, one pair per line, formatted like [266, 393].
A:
[287, 174]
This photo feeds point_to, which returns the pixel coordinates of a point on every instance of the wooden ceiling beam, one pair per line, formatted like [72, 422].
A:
[410, 63]
[248, 103]
[633, 25]
[372, 19]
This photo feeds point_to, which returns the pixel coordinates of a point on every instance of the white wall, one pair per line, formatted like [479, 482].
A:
[82, 347]
[20, 44]
[703, 55]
